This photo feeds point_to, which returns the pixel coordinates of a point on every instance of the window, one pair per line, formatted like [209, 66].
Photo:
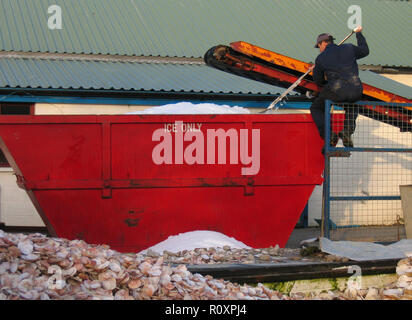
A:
[14, 109]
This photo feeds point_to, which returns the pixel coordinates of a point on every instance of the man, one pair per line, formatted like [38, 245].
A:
[342, 84]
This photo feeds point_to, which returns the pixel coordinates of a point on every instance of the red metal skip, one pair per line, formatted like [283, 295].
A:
[93, 178]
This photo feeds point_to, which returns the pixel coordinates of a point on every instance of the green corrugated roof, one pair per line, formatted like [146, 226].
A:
[187, 28]
[136, 76]
[102, 75]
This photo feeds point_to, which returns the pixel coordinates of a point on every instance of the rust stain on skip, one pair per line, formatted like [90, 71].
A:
[79, 235]
[132, 222]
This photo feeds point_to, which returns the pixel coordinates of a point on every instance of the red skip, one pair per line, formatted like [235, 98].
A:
[94, 177]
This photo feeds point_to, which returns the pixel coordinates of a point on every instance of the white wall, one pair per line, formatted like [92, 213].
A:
[16, 208]
[402, 78]
[80, 109]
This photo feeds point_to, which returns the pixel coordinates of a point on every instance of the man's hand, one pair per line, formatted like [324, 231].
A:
[311, 68]
[357, 29]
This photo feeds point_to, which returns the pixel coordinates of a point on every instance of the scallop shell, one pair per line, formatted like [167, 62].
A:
[122, 295]
[25, 285]
[115, 266]
[44, 296]
[66, 263]
[145, 267]
[176, 278]
[404, 269]
[149, 290]
[4, 267]
[101, 263]
[70, 272]
[14, 251]
[373, 294]
[109, 284]
[30, 257]
[6, 281]
[25, 246]
[404, 281]
[13, 267]
[351, 292]
[106, 275]
[392, 293]
[155, 271]
[78, 266]
[27, 295]
[134, 284]
[408, 290]
[403, 262]
[62, 254]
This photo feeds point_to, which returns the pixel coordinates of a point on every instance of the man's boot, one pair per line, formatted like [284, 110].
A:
[346, 138]
[334, 138]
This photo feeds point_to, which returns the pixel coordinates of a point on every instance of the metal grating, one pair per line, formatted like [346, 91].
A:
[361, 188]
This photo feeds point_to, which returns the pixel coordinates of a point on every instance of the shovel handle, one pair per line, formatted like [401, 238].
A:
[347, 37]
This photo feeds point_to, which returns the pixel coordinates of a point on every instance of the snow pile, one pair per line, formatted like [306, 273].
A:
[190, 108]
[196, 239]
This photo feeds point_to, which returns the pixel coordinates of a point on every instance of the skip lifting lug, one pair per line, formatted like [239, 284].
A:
[21, 182]
[249, 187]
[106, 190]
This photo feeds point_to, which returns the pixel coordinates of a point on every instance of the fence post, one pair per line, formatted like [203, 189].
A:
[326, 175]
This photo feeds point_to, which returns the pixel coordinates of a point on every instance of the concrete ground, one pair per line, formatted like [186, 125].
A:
[384, 234]
[300, 234]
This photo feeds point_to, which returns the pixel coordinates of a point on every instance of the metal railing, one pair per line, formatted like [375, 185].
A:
[361, 197]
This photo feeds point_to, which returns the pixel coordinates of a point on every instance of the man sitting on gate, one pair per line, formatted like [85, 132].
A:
[342, 84]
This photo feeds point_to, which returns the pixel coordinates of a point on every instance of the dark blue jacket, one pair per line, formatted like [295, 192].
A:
[339, 65]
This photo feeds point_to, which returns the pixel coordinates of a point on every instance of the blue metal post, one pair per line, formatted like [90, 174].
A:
[326, 174]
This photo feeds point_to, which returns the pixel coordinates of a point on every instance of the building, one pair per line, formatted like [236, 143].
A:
[110, 57]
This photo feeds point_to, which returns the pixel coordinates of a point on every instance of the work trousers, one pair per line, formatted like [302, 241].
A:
[349, 94]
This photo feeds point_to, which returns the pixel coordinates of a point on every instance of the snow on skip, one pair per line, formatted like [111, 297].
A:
[190, 108]
[196, 239]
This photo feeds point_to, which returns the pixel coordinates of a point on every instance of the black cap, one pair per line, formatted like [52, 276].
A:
[323, 37]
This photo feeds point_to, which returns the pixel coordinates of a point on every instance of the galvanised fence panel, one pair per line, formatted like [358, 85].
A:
[363, 171]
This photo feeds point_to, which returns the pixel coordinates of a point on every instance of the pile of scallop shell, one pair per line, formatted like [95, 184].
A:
[398, 290]
[402, 289]
[226, 254]
[36, 267]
